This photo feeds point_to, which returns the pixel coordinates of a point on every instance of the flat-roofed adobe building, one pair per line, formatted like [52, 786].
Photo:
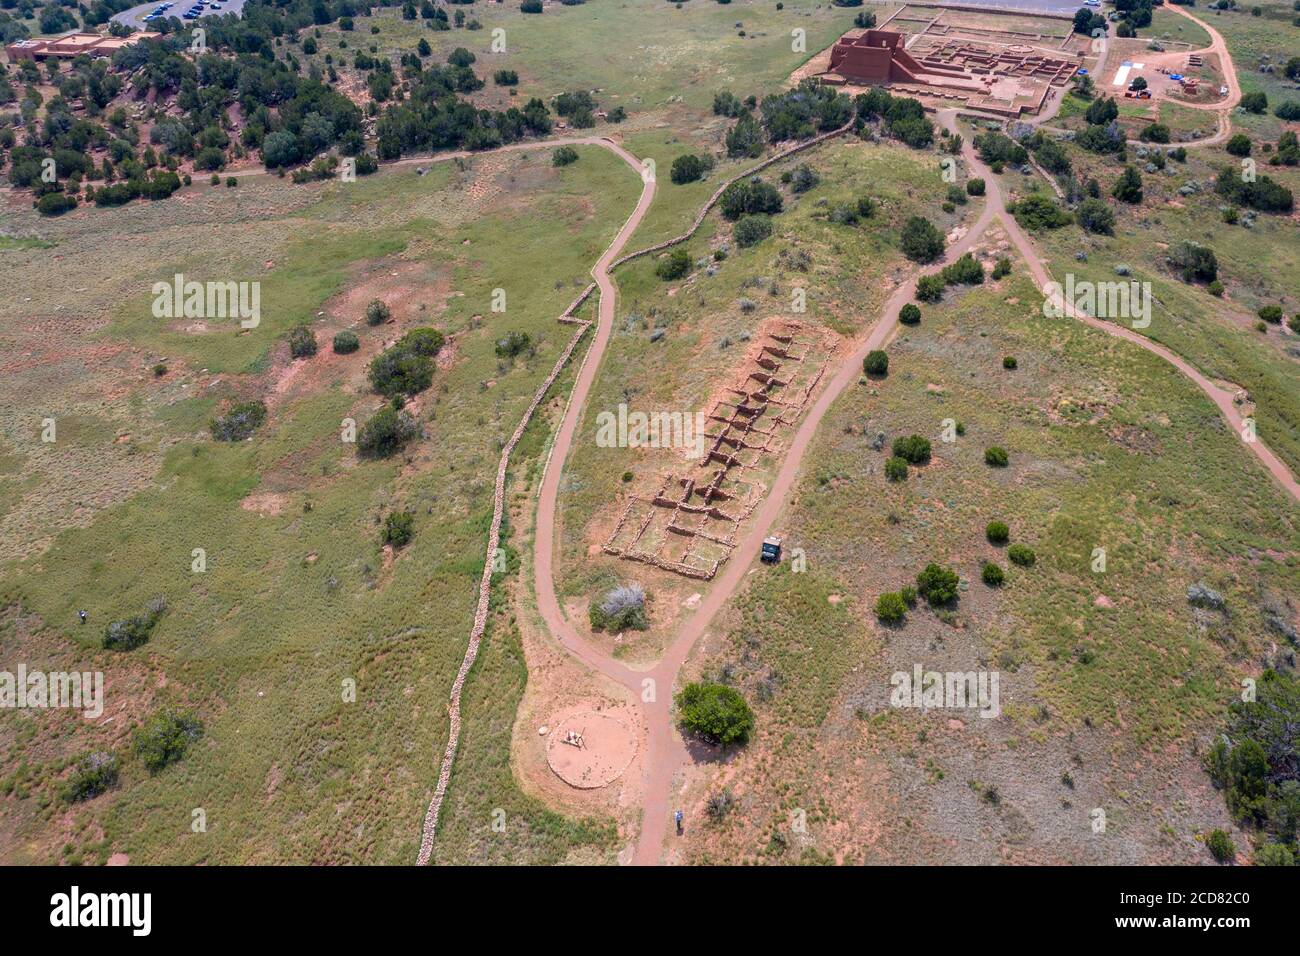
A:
[73, 45]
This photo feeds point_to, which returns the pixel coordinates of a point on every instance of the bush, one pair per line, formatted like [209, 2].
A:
[914, 449]
[400, 371]
[674, 265]
[1218, 842]
[803, 179]
[965, 271]
[94, 774]
[346, 342]
[687, 169]
[1154, 133]
[715, 712]
[377, 312]
[1009, 362]
[896, 469]
[564, 156]
[621, 609]
[938, 585]
[164, 738]
[1037, 212]
[975, 187]
[991, 574]
[876, 363]
[921, 241]
[531, 6]
[1238, 145]
[929, 288]
[890, 608]
[1254, 102]
[1275, 854]
[131, 632]
[1001, 268]
[997, 532]
[302, 342]
[1096, 217]
[909, 314]
[238, 423]
[751, 230]
[1022, 555]
[427, 342]
[750, 196]
[386, 432]
[55, 204]
[996, 456]
[1195, 263]
[1271, 314]
[399, 529]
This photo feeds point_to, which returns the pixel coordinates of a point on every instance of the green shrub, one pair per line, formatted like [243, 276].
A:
[302, 342]
[938, 585]
[238, 423]
[425, 341]
[714, 712]
[997, 532]
[751, 230]
[399, 529]
[94, 774]
[1037, 212]
[909, 314]
[1022, 555]
[1009, 362]
[674, 265]
[890, 608]
[921, 241]
[164, 738]
[896, 469]
[621, 609]
[996, 456]
[908, 594]
[386, 432]
[564, 156]
[1096, 217]
[965, 271]
[1001, 268]
[346, 342]
[1220, 846]
[876, 363]
[515, 343]
[377, 313]
[1271, 314]
[687, 169]
[929, 288]
[991, 574]
[400, 371]
[914, 449]
[975, 187]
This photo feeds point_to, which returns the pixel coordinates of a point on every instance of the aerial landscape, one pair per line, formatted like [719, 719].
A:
[642, 432]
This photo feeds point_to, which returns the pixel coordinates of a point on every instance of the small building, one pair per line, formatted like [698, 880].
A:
[72, 45]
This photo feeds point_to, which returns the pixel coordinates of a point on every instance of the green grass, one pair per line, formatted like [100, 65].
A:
[293, 604]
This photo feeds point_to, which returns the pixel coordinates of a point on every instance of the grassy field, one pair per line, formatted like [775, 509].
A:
[1099, 671]
[1258, 265]
[297, 597]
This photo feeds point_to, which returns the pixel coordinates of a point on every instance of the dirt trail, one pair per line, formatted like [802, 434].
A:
[600, 272]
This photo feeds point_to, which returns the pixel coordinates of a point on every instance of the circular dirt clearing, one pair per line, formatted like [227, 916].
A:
[604, 747]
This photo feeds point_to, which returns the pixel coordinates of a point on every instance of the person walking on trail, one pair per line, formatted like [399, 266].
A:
[678, 817]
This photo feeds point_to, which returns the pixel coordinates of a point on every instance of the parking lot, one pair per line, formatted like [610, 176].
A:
[135, 17]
